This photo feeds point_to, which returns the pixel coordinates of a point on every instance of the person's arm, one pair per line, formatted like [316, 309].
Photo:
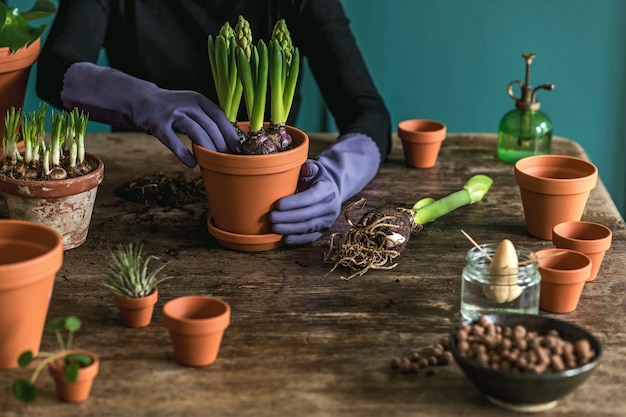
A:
[76, 35]
[324, 36]
[68, 78]
[347, 166]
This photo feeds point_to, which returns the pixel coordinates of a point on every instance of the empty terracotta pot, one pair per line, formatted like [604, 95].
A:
[421, 141]
[196, 325]
[554, 189]
[31, 254]
[563, 276]
[592, 239]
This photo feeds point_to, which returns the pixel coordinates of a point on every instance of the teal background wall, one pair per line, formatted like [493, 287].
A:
[451, 60]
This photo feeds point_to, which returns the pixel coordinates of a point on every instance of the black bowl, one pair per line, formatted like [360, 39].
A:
[525, 391]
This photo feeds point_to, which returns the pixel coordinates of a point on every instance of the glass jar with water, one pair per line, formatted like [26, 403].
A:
[485, 293]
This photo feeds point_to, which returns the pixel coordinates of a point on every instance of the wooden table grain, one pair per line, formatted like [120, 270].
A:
[300, 344]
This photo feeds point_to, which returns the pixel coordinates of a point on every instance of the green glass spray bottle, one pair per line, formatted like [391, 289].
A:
[525, 130]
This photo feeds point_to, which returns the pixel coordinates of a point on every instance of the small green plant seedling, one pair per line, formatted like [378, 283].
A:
[25, 389]
[127, 273]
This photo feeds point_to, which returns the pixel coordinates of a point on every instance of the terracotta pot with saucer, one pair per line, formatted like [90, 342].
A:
[242, 190]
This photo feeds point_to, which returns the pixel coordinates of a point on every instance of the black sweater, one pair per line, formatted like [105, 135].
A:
[165, 41]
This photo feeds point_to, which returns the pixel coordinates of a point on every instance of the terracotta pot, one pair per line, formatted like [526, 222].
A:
[31, 254]
[563, 278]
[592, 239]
[421, 141]
[66, 205]
[14, 73]
[79, 390]
[136, 312]
[554, 189]
[242, 190]
[196, 325]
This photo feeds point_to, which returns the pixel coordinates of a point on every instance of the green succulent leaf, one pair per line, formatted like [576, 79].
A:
[80, 358]
[24, 390]
[71, 371]
[72, 323]
[25, 359]
[54, 325]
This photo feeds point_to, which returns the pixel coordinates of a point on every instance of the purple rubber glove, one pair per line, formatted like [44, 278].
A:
[113, 97]
[338, 173]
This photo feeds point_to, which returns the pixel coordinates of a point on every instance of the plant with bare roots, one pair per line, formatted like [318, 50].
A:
[379, 237]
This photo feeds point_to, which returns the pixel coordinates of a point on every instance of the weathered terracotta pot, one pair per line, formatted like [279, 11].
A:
[65, 205]
[14, 73]
[196, 325]
[79, 390]
[136, 312]
[563, 279]
[31, 254]
[554, 189]
[242, 190]
[592, 239]
[421, 141]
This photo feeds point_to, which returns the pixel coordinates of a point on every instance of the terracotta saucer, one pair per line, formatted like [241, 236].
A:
[246, 243]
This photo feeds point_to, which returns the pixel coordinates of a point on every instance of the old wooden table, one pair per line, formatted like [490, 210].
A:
[300, 344]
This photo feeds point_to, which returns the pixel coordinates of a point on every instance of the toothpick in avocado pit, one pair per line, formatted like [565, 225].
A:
[503, 271]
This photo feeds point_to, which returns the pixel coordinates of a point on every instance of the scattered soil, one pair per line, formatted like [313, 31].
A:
[164, 189]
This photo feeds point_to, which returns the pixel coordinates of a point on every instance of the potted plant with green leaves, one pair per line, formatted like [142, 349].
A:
[20, 44]
[73, 370]
[52, 181]
[135, 289]
[243, 187]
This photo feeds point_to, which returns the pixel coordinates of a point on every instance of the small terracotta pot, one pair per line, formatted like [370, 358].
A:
[79, 390]
[196, 325]
[592, 239]
[242, 189]
[554, 189]
[31, 254]
[421, 141]
[65, 205]
[136, 312]
[14, 72]
[563, 276]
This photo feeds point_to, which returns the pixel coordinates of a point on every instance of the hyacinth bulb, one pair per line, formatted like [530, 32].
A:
[258, 144]
[279, 135]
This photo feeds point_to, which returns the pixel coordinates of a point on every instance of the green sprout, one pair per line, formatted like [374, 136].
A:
[62, 156]
[284, 66]
[25, 389]
[222, 57]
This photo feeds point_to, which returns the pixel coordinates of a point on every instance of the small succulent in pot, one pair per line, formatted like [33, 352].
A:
[242, 68]
[128, 275]
[73, 361]
[62, 157]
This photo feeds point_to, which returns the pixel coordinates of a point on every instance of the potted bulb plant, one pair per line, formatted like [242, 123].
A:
[242, 187]
[50, 182]
[19, 49]
[135, 291]
[73, 370]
